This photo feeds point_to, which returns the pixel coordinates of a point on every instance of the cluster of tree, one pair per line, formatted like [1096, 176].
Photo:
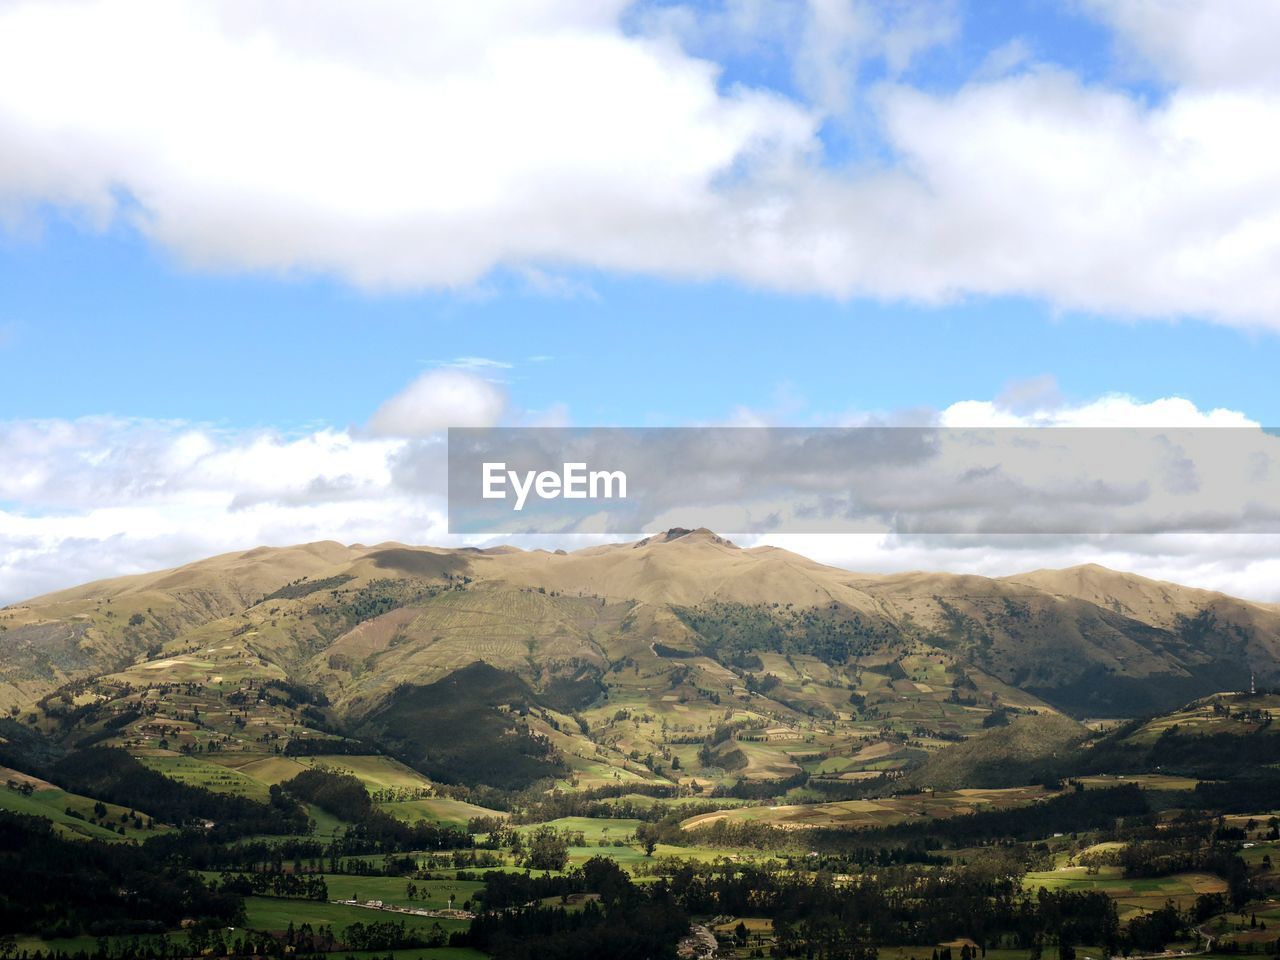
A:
[391, 935]
[547, 849]
[346, 608]
[372, 830]
[761, 789]
[1150, 932]
[340, 794]
[122, 719]
[833, 788]
[58, 887]
[207, 940]
[623, 920]
[291, 695]
[470, 727]
[1256, 790]
[504, 889]
[22, 748]
[300, 941]
[560, 805]
[821, 937]
[814, 916]
[304, 587]
[1070, 812]
[201, 939]
[296, 886]
[832, 633]
[537, 801]
[327, 747]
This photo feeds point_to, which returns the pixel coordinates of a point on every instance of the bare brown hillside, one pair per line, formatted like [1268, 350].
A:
[359, 620]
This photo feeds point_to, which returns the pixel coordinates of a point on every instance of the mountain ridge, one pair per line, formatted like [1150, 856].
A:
[356, 620]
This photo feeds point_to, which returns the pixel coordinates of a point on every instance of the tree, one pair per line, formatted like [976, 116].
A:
[647, 837]
[548, 850]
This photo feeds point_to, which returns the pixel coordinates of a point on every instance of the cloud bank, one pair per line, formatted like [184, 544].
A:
[102, 497]
[405, 145]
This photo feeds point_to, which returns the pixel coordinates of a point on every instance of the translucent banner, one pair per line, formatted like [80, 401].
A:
[919, 480]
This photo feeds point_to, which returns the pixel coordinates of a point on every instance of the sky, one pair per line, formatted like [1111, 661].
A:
[256, 257]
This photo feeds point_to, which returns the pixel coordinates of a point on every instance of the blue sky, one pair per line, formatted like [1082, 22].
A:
[103, 323]
[253, 260]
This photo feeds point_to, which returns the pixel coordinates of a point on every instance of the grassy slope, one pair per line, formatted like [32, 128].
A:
[1002, 756]
[52, 804]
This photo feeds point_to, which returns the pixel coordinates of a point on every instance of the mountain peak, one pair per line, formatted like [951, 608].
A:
[685, 535]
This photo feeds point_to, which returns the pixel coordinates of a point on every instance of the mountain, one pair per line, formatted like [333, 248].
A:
[1068, 637]
[677, 657]
[100, 626]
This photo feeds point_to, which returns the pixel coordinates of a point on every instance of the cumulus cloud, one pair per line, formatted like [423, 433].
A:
[1036, 404]
[425, 145]
[106, 496]
[449, 397]
[100, 496]
[394, 143]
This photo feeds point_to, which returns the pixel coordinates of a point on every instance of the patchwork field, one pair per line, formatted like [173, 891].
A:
[1231, 713]
[875, 813]
[207, 774]
[394, 891]
[275, 914]
[1133, 896]
[438, 810]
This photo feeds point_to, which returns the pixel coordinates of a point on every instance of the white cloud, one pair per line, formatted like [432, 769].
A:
[405, 144]
[439, 399]
[1112, 410]
[391, 142]
[106, 496]
[1041, 185]
[1208, 43]
[101, 497]
[840, 36]
[476, 363]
